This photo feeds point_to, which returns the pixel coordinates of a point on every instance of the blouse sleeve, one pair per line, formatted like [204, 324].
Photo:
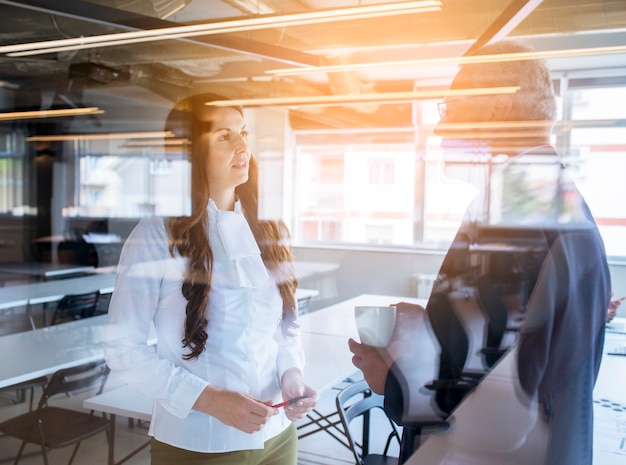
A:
[290, 352]
[128, 349]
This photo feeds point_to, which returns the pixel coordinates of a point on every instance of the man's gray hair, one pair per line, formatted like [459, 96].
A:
[535, 100]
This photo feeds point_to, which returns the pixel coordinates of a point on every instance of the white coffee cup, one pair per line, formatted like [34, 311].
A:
[375, 324]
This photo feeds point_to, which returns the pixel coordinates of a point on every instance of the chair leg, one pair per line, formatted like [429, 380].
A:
[44, 453]
[74, 453]
[408, 443]
[19, 453]
[111, 440]
[32, 396]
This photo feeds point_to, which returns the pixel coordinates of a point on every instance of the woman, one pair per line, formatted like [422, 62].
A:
[218, 286]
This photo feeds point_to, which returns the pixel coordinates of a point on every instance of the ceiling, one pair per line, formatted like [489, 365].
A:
[129, 79]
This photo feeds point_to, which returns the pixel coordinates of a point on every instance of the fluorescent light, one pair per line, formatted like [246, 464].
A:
[174, 141]
[224, 27]
[381, 97]
[17, 115]
[453, 60]
[102, 136]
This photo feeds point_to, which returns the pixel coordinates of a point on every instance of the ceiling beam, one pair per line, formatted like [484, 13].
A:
[112, 17]
[516, 12]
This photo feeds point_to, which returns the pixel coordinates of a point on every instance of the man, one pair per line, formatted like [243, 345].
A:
[528, 245]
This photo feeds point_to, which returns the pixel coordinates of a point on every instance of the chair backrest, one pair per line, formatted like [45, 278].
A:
[88, 376]
[77, 251]
[450, 334]
[357, 400]
[497, 317]
[76, 306]
[454, 345]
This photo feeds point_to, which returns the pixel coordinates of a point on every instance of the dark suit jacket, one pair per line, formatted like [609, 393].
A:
[564, 284]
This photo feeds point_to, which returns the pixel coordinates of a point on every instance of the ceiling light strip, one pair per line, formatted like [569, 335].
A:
[453, 60]
[18, 115]
[223, 27]
[328, 100]
[101, 136]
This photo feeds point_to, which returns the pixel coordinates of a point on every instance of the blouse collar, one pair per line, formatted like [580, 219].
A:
[239, 245]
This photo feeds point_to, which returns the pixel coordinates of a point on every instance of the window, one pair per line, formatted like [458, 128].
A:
[11, 175]
[597, 151]
[334, 204]
[381, 171]
[405, 195]
[120, 185]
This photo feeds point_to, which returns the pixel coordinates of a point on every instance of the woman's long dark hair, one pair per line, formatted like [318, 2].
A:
[189, 235]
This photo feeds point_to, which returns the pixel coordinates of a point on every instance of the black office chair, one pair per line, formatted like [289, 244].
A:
[454, 380]
[75, 307]
[497, 320]
[358, 401]
[56, 427]
[78, 252]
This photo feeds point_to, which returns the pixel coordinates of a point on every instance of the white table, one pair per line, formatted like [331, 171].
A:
[319, 374]
[44, 270]
[324, 340]
[43, 351]
[52, 291]
[338, 319]
[127, 401]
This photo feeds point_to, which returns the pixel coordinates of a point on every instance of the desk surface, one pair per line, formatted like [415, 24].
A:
[51, 291]
[46, 350]
[43, 270]
[338, 319]
[319, 374]
[324, 340]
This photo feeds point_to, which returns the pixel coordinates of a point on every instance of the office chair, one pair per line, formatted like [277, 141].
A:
[454, 380]
[77, 251]
[56, 427]
[75, 307]
[497, 320]
[358, 401]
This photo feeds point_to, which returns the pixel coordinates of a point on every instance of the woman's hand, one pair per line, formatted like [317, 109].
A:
[235, 409]
[293, 386]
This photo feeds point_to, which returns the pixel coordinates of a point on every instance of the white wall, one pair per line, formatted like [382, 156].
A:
[362, 271]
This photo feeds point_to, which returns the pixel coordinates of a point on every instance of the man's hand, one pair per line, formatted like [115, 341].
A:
[372, 363]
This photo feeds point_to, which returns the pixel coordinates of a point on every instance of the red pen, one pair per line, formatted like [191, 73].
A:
[289, 402]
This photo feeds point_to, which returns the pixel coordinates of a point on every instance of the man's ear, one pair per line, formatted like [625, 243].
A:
[501, 108]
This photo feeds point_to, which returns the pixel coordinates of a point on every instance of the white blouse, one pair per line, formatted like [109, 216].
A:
[246, 350]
